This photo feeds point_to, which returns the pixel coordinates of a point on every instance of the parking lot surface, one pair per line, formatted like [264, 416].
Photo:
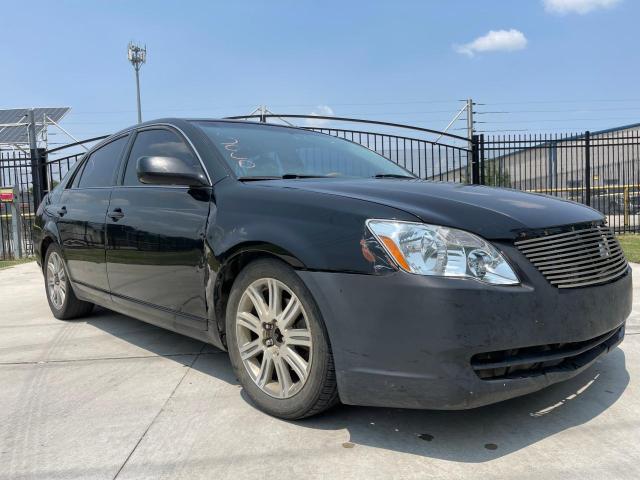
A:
[110, 397]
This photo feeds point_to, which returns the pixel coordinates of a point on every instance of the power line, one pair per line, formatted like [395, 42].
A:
[505, 112]
[546, 120]
[578, 110]
[349, 114]
[307, 105]
[532, 102]
[406, 102]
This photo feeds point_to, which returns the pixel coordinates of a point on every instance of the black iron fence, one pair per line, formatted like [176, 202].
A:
[32, 177]
[427, 153]
[58, 161]
[600, 169]
[16, 173]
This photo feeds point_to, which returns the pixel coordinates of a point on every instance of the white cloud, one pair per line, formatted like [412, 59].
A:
[577, 6]
[320, 111]
[494, 41]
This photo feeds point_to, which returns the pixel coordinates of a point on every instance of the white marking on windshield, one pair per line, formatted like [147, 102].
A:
[232, 147]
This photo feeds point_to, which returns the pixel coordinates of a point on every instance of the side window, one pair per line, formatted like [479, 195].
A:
[164, 143]
[98, 170]
[77, 175]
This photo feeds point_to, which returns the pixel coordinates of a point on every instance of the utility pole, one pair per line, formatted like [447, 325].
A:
[137, 55]
[470, 128]
[473, 145]
[473, 139]
[262, 111]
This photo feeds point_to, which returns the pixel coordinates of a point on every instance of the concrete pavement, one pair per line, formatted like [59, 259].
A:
[111, 397]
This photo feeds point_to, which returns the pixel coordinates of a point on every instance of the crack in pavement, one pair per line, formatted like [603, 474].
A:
[169, 355]
[126, 460]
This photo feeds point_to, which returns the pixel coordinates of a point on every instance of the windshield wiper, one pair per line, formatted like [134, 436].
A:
[392, 175]
[301, 175]
[257, 177]
[286, 176]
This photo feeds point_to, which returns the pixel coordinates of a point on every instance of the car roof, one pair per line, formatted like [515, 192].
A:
[178, 121]
[182, 123]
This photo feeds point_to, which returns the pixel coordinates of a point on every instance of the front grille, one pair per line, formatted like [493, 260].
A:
[577, 258]
[543, 359]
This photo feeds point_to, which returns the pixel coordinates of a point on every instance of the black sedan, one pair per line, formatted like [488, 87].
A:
[330, 273]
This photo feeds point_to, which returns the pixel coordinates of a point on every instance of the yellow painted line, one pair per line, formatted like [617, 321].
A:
[5, 215]
[582, 189]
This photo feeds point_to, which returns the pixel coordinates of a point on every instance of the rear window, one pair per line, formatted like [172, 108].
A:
[99, 169]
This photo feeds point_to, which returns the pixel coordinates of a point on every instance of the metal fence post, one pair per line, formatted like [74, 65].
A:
[44, 174]
[552, 167]
[36, 162]
[483, 179]
[626, 207]
[475, 159]
[16, 224]
[587, 167]
[3, 255]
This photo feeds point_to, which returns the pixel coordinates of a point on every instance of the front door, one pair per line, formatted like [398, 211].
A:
[155, 248]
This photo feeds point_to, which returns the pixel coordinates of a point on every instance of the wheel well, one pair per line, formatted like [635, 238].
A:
[46, 243]
[227, 276]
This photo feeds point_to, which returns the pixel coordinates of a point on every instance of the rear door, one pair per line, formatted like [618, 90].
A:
[81, 212]
[156, 248]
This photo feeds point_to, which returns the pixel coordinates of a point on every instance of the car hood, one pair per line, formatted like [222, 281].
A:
[494, 213]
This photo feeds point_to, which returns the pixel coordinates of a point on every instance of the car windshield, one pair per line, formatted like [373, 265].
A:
[269, 152]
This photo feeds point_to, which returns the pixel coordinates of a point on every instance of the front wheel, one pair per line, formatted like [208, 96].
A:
[278, 343]
[62, 300]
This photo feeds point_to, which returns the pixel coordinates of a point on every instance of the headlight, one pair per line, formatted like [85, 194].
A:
[432, 250]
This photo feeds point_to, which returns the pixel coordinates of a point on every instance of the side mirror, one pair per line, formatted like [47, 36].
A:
[168, 171]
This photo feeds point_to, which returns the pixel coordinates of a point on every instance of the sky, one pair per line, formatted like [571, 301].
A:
[530, 65]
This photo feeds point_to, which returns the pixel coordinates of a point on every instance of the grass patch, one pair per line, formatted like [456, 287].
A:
[631, 246]
[13, 263]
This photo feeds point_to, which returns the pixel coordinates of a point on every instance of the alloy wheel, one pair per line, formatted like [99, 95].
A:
[56, 280]
[274, 337]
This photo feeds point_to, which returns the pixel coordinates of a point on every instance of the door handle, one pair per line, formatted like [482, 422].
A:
[115, 214]
[62, 211]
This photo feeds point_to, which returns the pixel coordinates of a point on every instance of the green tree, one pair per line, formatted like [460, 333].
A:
[494, 175]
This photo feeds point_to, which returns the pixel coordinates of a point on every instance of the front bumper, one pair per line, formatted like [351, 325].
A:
[402, 340]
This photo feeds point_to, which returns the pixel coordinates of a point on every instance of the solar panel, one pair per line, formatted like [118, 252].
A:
[10, 133]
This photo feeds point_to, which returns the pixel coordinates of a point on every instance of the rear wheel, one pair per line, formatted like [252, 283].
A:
[277, 342]
[62, 300]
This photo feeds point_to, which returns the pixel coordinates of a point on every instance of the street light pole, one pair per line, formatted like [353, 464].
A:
[137, 55]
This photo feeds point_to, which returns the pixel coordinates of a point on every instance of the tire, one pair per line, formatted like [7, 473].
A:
[62, 300]
[273, 371]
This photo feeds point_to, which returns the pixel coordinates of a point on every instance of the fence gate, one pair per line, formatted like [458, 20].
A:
[31, 179]
[16, 174]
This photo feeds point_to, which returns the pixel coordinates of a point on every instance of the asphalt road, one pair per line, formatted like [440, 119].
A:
[110, 397]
